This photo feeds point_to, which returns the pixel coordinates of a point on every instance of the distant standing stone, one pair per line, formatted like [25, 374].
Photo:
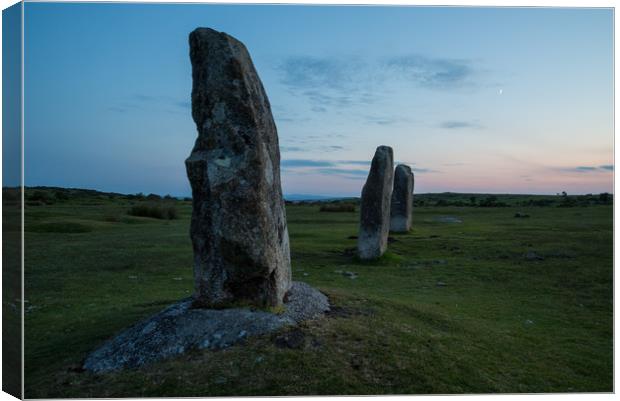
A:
[375, 205]
[238, 228]
[402, 200]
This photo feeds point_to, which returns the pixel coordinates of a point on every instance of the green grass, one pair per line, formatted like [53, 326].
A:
[158, 210]
[11, 293]
[451, 308]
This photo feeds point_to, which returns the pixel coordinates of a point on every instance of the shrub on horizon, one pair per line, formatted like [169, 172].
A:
[61, 195]
[342, 207]
[154, 210]
[41, 196]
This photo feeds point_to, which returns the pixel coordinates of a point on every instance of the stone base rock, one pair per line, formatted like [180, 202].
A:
[180, 328]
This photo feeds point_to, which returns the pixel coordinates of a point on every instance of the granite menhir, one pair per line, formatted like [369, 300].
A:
[375, 205]
[402, 199]
[238, 228]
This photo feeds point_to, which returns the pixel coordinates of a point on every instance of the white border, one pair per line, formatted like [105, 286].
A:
[477, 3]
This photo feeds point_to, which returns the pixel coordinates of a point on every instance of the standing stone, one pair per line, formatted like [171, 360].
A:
[375, 205]
[402, 200]
[238, 228]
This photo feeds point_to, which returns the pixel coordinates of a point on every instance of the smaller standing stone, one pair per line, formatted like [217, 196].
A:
[402, 200]
[375, 205]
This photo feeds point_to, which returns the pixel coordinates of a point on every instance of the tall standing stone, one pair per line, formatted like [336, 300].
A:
[402, 199]
[375, 205]
[238, 228]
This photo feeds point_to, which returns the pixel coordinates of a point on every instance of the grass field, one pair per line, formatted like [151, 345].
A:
[490, 304]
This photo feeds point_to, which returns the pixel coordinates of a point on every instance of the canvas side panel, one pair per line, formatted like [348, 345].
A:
[12, 200]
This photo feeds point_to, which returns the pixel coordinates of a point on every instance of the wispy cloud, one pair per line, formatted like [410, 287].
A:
[330, 97]
[385, 120]
[356, 162]
[588, 169]
[322, 167]
[341, 82]
[289, 119]
[291, 149]
[327, 82]
[315, 72]
[342, 168]
[347, 173]
[458, 124]
[306, 163]
[344, 72]
[320, 149]
[319, 109]
[424, 170]
[149, 103]
[432, 72]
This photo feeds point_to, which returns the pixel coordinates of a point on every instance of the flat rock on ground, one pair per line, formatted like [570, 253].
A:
[448, 219]
[180, 328]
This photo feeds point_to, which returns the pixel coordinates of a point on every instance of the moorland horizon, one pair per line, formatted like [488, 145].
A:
[301, 195]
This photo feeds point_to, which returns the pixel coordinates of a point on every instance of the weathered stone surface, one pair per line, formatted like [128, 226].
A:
[180, 328]
[375, 205]
[402, 199]
[238, 228]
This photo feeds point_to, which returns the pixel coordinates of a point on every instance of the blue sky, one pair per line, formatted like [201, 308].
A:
[11, 96]
[508, 100]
